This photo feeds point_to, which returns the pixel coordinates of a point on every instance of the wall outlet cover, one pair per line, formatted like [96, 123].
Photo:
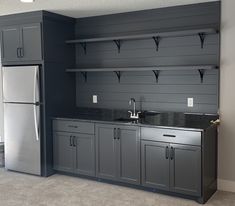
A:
[190, 102]
[95, 99]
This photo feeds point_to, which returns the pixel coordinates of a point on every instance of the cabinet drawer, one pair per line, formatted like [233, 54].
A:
[171, 135]
[74, 126]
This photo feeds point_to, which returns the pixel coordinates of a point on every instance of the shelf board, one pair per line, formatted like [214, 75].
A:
[145, 36]
[150, 68]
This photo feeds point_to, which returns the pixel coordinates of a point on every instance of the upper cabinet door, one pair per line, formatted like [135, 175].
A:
[10, 43]
[31, 49]
[128, 141]
[185, 169]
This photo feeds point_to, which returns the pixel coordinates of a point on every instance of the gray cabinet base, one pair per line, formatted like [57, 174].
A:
[205, 167]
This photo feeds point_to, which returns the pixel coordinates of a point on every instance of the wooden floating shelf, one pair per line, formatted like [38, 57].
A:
[155, 69]
[145, 36]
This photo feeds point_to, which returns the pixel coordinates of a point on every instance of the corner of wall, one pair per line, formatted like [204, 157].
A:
[1, 104]
[226, 140]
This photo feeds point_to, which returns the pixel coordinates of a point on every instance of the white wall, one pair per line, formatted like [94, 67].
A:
[226, 167]
[1, 105]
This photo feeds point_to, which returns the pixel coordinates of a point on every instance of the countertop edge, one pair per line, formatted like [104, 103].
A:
[129, 124]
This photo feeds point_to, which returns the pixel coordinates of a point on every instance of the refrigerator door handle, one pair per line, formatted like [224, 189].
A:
[36, 122]
[36, 86]
[36, 117]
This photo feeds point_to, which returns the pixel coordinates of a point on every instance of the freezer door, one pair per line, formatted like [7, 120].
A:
[22, 142]
[21, 84]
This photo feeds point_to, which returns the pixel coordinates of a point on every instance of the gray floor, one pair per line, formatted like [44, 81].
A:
[26, 190]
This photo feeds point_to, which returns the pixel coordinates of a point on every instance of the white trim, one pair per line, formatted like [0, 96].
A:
[226, 185]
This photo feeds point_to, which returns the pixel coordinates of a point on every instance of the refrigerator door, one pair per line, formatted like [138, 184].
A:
[20, 84]
[22, 142]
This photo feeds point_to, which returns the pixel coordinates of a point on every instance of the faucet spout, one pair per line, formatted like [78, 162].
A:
[130, 102]
[134, 115]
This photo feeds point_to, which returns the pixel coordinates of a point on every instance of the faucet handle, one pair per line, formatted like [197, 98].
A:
[138, 114]
[130, 112]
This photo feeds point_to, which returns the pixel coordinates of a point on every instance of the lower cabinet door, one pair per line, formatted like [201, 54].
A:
[63, 152]
[85, 154]
[106, 148]
[185, 169]
[155, 164]
[128, 144]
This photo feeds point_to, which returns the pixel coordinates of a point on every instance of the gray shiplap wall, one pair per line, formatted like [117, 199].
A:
[173, 87]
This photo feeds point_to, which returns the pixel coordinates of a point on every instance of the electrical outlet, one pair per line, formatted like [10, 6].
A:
[95, 101]
[190, 102]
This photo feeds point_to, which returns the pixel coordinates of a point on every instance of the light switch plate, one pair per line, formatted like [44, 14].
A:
[95, 99]
[190, 102]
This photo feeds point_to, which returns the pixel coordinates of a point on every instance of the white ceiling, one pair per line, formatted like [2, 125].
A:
[84, 8]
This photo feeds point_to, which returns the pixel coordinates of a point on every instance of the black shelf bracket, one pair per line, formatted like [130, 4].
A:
[156, 73]
[201, 72]
[118, 44]
[83, 45]
[84, 74]
[118, 73]
[157, 41]
[202, 37]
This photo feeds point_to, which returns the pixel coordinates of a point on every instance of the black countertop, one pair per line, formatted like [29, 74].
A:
[155, 119]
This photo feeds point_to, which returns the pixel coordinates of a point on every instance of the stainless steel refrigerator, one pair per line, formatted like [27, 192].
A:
[21, 97]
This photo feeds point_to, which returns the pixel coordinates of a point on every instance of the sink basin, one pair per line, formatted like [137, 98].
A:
[126, 120]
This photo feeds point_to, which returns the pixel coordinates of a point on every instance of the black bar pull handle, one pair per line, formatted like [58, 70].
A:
[70, 141]
[21, 52]
[172, 153]
[169, 135]
[114, 133]
[118, 133]
[74, 141]
[167, 152]
[72, 126]
[18, 52]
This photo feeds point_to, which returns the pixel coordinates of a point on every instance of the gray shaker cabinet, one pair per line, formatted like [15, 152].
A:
[185, 169]
[171, 160]
[173, 167]
[128, 153]
[118, 153]
[74, 147]
[31, 42]
[21, 43]
[85, 154]
[106, 148]
[155, 164]
[63, 151]
[10, 43]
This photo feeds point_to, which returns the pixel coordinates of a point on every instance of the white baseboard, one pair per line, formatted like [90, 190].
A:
[226, 185]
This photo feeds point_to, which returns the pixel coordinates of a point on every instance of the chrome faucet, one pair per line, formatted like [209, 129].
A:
[134, 114]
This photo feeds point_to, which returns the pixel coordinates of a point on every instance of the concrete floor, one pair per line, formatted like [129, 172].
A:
[58, 190]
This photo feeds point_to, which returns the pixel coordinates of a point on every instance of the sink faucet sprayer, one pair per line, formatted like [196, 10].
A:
[134, 114]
